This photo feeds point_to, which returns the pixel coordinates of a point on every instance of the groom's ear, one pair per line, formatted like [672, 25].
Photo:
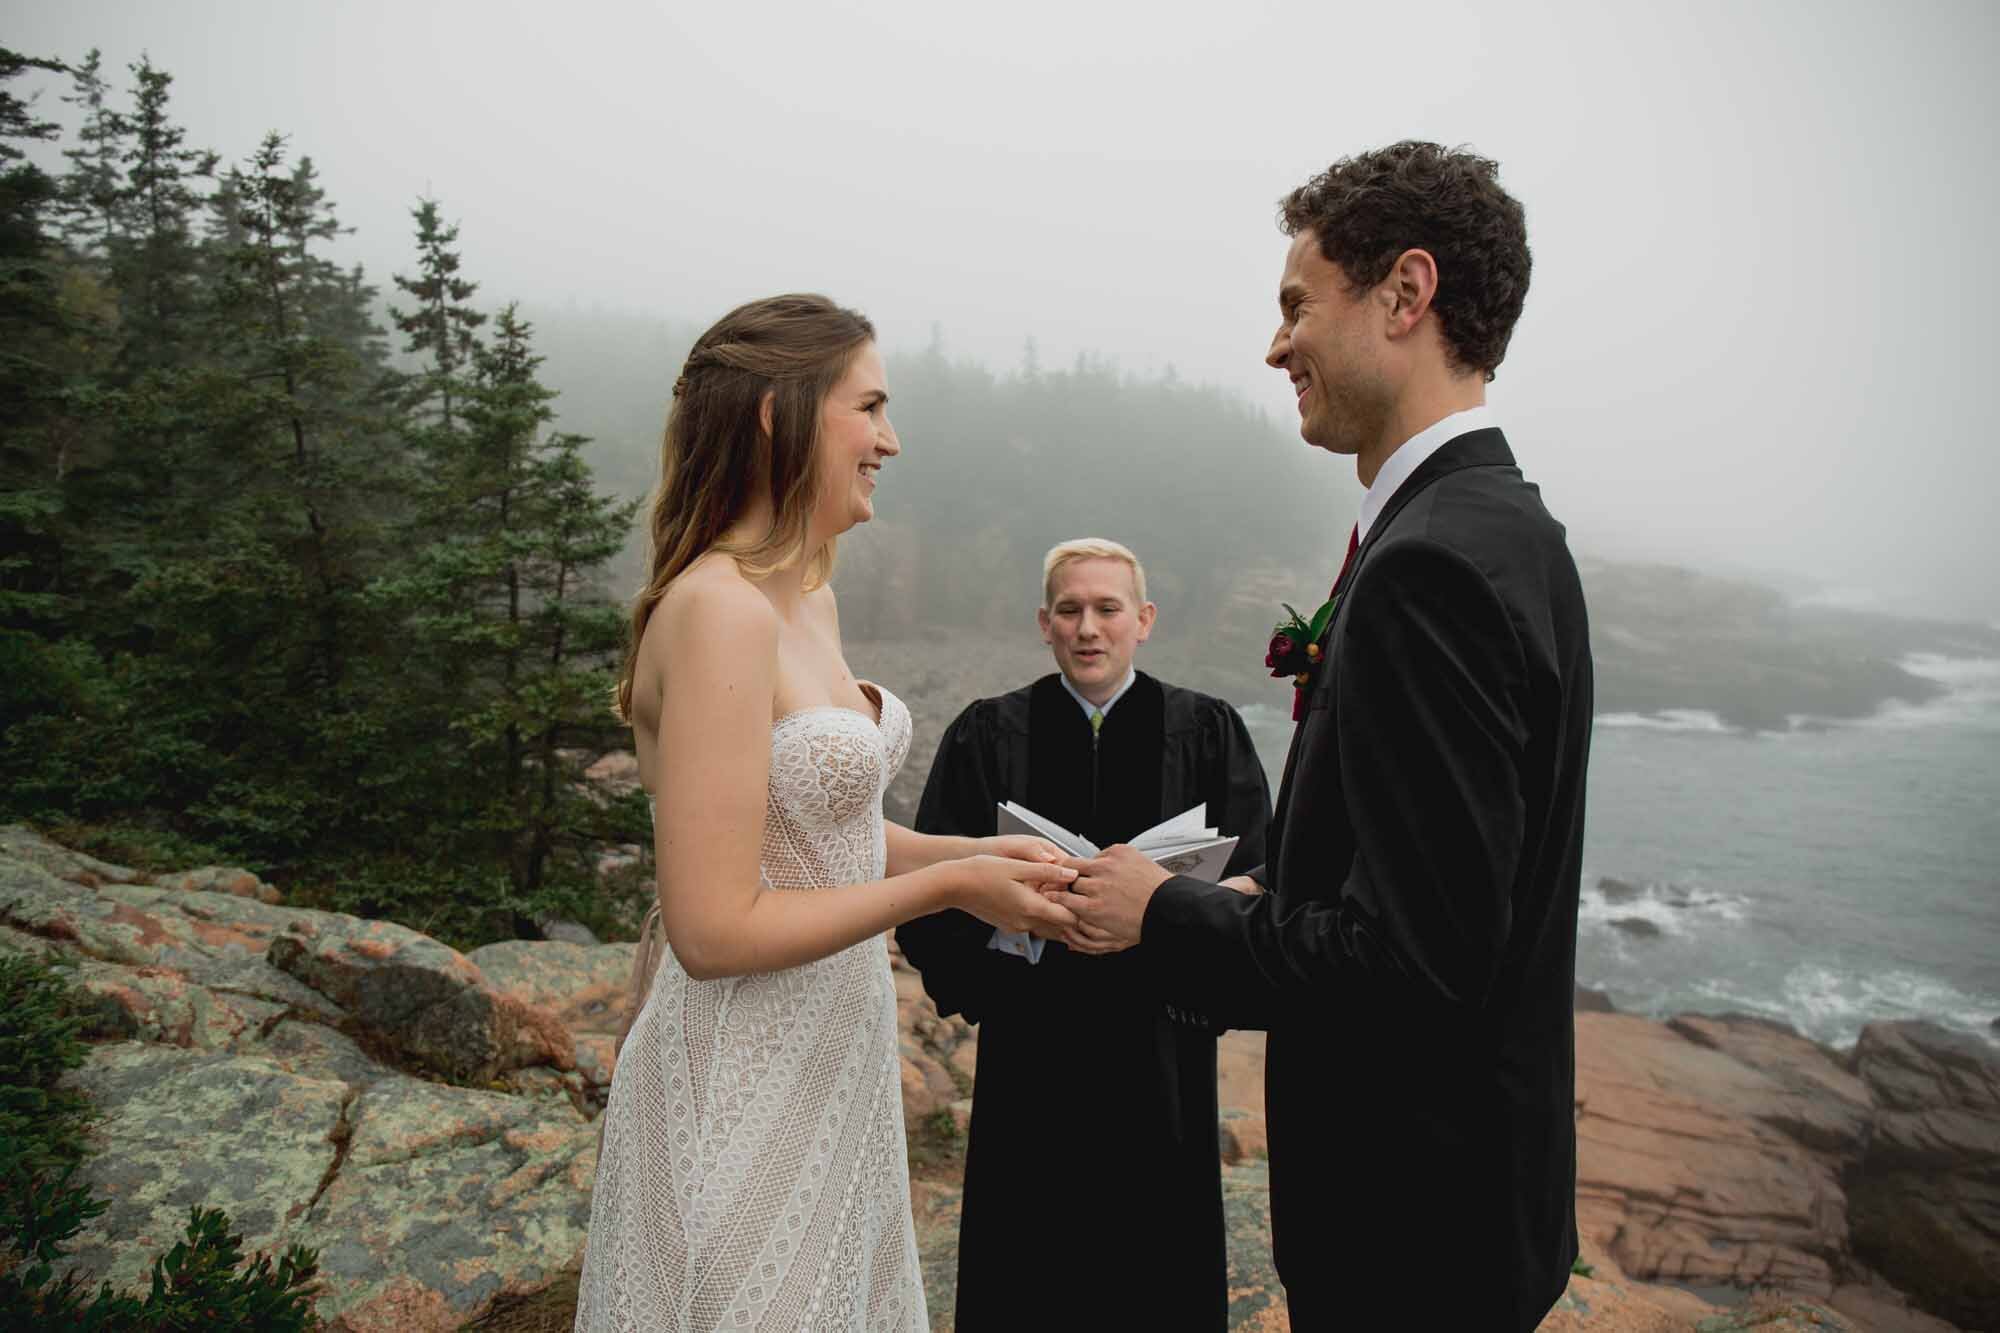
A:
[1408, 290]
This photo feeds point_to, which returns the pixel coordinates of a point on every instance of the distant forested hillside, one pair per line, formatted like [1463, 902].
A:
[1232, 515]
[1229, 510]
[324, 573]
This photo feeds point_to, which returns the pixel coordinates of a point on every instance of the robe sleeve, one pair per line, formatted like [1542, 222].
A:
[950, 949]
[1239, 799]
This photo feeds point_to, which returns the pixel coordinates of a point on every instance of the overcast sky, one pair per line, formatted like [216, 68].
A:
[1763, 232]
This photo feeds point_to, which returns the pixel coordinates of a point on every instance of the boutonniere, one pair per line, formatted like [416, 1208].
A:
[1294, 650]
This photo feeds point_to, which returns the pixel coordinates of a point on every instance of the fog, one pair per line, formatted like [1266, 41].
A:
[1763, 276]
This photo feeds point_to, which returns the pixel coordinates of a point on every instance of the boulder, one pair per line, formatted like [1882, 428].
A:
[1243, 1137]
[446, 1201]
[567, 932]
[1684, 1171]
[214, 940]
[1603, 1298]
[20, 843]
[1824, 1107]
[223, 1080]
[938, 1053]
[157, 1004]
[586, 987]
[1590, 1001]
[138, 925]
[1617, 890]
[927, 1086]
[424, 999]
[232, 880]
[182, 1128]
[616, 771]
[1927, 1192]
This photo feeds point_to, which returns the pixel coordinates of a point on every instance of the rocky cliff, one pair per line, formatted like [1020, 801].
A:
[424, 1118]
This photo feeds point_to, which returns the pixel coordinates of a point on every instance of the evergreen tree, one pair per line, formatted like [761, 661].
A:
[278, 531]
[153, 254]
[507, 611]
[442, 328]
[31, 320]
[93, 201]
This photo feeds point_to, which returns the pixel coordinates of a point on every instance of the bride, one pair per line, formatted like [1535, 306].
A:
[753, 1171]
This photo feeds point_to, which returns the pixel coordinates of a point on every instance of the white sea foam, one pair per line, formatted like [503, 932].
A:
[1971, 700]
[1668, 719]
[1668, 908]
[1832, 1006]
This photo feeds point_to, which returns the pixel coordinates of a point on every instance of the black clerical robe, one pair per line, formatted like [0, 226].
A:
[1093, 1194]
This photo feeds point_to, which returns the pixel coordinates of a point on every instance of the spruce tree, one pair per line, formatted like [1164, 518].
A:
[506, 607]
[153, 253]
[442, 327]
[92, 194]
[31, 322]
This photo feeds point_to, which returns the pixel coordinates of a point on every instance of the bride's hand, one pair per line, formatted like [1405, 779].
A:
[1006, 891]
[1021, 847]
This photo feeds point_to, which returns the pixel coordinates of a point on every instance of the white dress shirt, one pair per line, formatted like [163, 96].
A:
[1131, 674]
[1396, 469]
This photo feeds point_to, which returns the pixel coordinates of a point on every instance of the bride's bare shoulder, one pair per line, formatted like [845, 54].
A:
[711, 600]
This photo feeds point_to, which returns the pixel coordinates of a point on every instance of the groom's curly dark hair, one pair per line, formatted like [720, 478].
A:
[1368, 209]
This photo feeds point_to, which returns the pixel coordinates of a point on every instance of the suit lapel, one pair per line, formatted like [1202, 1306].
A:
[1479, 448]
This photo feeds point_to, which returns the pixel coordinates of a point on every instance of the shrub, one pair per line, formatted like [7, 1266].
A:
[202, 1283]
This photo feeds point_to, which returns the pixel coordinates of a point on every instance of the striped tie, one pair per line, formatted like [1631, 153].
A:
[1096, 720]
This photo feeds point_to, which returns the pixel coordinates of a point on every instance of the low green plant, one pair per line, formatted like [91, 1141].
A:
[203, 1282]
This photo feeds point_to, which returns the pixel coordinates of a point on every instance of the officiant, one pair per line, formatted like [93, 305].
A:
[1126, 1230]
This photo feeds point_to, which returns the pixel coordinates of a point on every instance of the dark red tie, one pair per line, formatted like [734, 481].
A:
[1353, 544]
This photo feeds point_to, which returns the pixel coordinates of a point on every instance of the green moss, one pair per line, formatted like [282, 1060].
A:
[203, 1282]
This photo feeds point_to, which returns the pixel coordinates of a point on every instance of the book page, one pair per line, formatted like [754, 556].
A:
[1181, 845]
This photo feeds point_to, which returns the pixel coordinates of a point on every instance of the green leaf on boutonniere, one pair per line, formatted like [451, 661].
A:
[1295, 628]
[1321, 619]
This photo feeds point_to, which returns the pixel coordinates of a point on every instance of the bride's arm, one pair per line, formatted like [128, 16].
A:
[910, 850]
[719, 642]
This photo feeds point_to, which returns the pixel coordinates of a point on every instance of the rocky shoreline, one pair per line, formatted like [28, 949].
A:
[425, 1118]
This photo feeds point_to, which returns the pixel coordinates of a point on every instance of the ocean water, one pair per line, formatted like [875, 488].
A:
[1829, 876]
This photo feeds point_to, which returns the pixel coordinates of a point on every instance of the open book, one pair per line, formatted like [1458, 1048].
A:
[1182, 845]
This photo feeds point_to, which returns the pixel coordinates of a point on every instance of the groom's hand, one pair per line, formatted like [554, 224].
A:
[1109, 899]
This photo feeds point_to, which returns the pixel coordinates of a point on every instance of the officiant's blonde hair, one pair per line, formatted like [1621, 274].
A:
[1089, 548]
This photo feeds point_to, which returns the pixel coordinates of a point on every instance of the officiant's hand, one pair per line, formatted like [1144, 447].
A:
[1109, 898]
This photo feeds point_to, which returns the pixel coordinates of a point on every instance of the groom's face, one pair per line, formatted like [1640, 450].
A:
[1326, 344]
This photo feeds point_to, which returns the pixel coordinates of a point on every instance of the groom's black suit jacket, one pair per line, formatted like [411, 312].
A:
[1414, 957]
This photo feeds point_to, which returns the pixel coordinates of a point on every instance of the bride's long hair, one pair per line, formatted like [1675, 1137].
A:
[716, 456]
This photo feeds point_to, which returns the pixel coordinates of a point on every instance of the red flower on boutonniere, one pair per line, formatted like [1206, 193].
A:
[1294, 650]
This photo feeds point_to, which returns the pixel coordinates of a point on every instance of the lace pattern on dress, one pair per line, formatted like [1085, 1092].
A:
[753, 1172]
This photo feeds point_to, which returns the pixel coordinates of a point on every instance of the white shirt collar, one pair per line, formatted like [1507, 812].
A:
[1396, 469]
[1131, 674]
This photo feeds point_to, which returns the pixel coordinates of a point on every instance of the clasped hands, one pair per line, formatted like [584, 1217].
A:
[1109, 896]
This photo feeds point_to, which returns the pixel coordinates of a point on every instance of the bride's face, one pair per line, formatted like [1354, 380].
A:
[855, 438]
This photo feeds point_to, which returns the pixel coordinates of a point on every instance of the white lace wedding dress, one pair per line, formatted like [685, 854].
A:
[753, 1172]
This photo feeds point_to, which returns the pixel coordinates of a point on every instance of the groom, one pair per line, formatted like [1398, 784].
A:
[1410, 941]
